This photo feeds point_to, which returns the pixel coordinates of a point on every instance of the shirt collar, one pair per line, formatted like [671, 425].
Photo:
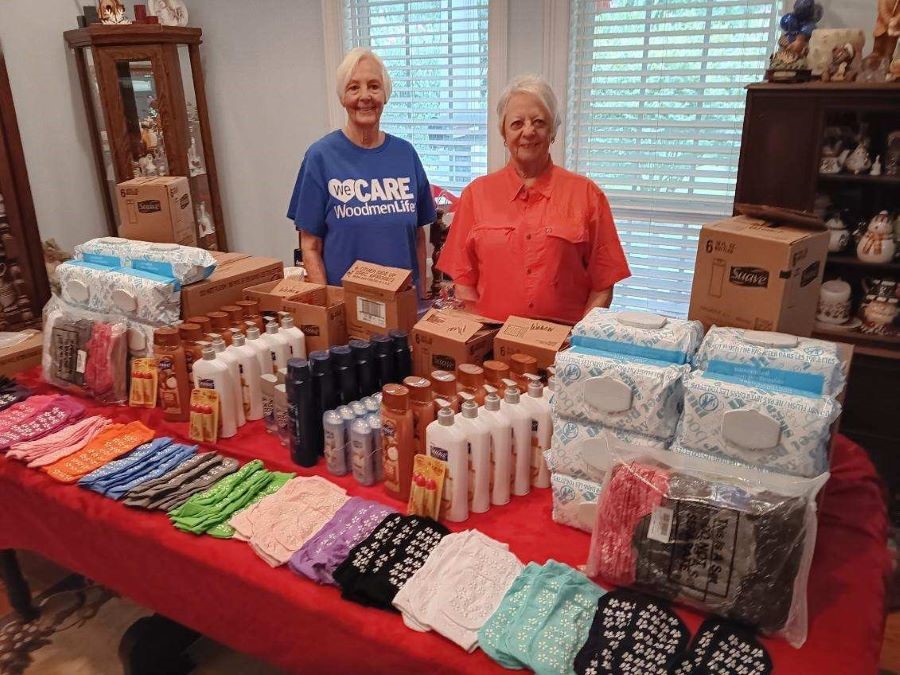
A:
[543, 185]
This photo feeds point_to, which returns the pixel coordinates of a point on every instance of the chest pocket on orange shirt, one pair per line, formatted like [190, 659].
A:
[490, 240]
[567, 247]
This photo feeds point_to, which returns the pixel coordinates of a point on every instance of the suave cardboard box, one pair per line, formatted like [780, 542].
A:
[377, 299]
[234, 272]
[157, 209]
[756, 273]
[443, 339]
[534, 337]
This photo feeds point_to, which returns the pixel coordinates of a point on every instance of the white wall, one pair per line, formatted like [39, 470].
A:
[51, 119]
[266, 92]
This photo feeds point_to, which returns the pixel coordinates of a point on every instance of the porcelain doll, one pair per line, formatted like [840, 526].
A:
[112, 12]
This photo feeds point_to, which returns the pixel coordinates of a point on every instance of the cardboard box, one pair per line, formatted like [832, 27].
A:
[234, 273]
[378, 299]
[759, 274]
[442, 340]
[540, 339]
[22, 356]
[157, 209]
[317, 310]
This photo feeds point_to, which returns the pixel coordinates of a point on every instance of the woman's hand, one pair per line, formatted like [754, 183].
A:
[468, 294]
[311, 246]
[599, 299]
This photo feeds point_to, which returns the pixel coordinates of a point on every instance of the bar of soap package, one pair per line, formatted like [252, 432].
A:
[629, 393]
[641, 334]
[764, 358]
[773, 428]
[185, 264]
[133, 293]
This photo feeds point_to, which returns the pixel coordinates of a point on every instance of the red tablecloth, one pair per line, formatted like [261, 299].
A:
[222, 589]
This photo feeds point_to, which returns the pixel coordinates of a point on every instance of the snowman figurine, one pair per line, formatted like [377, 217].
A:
[877, 244]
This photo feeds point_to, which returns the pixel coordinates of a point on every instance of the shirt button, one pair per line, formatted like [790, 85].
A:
[528, 236]
[549, 230]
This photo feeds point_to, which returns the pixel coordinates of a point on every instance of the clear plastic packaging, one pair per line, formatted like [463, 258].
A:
[730, 540]
[187, 264]
[86, 352]
[574, 501]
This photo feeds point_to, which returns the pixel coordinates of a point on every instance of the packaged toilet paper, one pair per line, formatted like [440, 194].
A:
[579, 449]
[628, 393]
[574, 501]
[128, 292]
[640, 334]
[764, 358]
[770, 429]
[186, 264]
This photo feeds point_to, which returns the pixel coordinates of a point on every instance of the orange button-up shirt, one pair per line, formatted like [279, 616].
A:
[534, 251]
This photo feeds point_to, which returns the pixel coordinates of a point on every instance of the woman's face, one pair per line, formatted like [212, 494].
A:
[363, 97]
[527, 128]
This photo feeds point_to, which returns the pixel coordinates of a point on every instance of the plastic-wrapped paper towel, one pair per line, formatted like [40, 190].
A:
[186, 264]
[577, 449]
[129, 292]
[574, 501]
[765, 358]
[640, 334]
[628, 393]
[769, 429]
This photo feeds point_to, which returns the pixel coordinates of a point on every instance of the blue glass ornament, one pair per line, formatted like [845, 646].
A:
[789, 23]
[803, 9]
[807, 29]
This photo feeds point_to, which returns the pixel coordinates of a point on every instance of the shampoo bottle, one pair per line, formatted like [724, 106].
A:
[174, 386]
[306, 437]
[397, 443]
[444, 387]
[366, 369]
[423, 409]
[470, 378]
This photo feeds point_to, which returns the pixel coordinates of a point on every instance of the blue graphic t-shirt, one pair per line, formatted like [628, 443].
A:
[365, 203]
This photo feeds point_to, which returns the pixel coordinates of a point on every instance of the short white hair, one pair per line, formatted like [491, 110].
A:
[536, 86]
[353, 57]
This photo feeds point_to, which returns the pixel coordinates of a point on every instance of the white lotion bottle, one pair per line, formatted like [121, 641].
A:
[520, 420]
[231, 360]
[447, 442]
[295, 338]
[251, 391]
[478, 437]
[501, 448]
[212, 373]
[277, 345]
[541, 430]
[261, 347]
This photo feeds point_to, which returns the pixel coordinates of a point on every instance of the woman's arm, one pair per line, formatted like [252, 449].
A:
[311, 246]
[599, 299]
[468, 294]
[420, 257]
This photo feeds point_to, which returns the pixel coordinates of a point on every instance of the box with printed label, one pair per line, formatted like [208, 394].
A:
[378, 299]
[22, 355]
[540, 339]
[317, 310]
[443, 339]
[158, 209]
[757, 273]
[234, 272]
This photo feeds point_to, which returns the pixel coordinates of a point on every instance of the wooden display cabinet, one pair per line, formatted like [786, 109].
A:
[781, 150]
[146, 106]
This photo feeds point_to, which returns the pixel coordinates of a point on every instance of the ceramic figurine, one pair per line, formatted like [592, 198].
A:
[112, 12]
[839, 70]
[859, 161]
[887, 27]
[876, 166]
[877, 244]
[204, 222]
[824, 40]
[169, 12]
[892, 154]
[831, 164]
[148, 168]
[789, 62]
[879, 307]
[874, 68]
[838, 234]
[194, 158]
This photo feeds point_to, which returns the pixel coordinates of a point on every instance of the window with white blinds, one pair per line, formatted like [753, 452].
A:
[436, 52]
[655, 111]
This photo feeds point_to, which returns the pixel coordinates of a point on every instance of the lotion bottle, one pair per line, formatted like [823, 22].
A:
[212, 373]
[520, 420]
[447, 442]
[478, 437]
[251, 395]
[501, 450]
[277, 345]
[295, 337]
[231, 360]
[261, 347]
[541, 430]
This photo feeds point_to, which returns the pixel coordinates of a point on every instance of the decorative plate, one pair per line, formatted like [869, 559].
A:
[169, 12]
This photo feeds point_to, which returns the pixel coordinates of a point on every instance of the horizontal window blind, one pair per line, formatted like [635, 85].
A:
[436, 54]
[655, 111]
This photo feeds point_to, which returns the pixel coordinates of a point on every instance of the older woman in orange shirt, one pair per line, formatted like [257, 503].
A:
[533, 239]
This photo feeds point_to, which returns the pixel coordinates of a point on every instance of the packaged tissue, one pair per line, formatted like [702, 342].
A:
[574, 501]
[765, 358]
[130, 292]
[628, 393]
[642, 334]
[578, 449]
[770, 428]
[185, 264]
